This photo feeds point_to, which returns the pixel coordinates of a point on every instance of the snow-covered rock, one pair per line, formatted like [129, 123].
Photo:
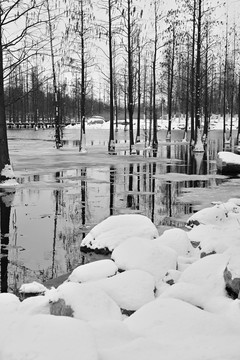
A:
[232, 272]
[178, 240]
[8, 303]
[93, 271]
[83, 301]
[41, 337]
[216, 215]
[108, 234]
[184, 331]
[111, 333]
[33, 288]
[207, 272]
[35, 305]
[214, 238]
[130, 289]
[172, 276]
[191, 293]
[138, 253]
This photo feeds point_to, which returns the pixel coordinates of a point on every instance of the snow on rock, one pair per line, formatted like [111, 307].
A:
[83, 301]
[111, 333]
[191, 293]
[215, 238]
[217, 214]
[178, 240]
[7, 177]
[35, 305]
[232, 272]
[184, 331]
[48, 337]
[93, 271]
[8, 302]
[172, 276]
[142, 254]
[130, 289]
[138, 349]
[207, 272]
[33, 287]
[108, 234]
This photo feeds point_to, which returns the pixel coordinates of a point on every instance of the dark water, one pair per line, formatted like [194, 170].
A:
[45, 220]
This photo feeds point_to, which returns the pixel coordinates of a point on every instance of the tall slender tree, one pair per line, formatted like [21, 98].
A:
[16, 13]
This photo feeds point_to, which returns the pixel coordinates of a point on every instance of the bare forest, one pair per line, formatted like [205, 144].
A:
[64, 61]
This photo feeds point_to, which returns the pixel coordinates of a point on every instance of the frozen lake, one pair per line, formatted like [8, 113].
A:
[62, 194]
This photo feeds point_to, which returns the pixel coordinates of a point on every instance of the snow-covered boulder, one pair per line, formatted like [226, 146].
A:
[216, 215]
[191, 293]
[172, 276]
[41, 337]
[232, 272]
[32, 289]
[228, 162]
[108, 234]
[207, 272]
[93, 271]
[8, 302]
[111, 333]
[138, 253]
[83, 301]
[35, 305]
[214, 238]
[178, 240]
[177, 325]
[130, 289]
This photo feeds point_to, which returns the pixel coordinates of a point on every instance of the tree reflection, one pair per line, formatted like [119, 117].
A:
[5, 211]
[112, 173]
[130, 197]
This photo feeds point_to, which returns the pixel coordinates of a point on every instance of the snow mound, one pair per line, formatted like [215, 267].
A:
[207, 272]
[176, 325]
[88, 302]
[115, 229]
[42, 338]
[216, 215]
[130, 289]
[178, 240]
[138, 253]
[215, 238]
[93, 271]
[33, 287]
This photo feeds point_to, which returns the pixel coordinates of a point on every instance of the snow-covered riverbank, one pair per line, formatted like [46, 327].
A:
[173, 296]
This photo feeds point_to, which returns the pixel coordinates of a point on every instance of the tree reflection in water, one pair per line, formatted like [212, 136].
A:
[6, 199]
[69, 203]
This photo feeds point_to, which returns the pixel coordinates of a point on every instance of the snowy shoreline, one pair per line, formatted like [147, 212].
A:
[157, 297]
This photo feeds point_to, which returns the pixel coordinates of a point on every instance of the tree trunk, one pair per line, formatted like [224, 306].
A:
[193, 76]
[130, 78]
[4, 153]
[111, 143]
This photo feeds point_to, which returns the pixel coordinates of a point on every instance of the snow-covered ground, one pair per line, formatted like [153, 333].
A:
[158, 297]
[178, 123]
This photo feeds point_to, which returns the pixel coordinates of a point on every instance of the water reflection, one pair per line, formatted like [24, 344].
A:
[51, 213]
[6, 200]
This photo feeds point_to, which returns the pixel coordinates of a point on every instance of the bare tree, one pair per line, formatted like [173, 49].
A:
[19, 15]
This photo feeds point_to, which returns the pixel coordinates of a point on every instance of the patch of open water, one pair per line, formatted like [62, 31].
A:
[62, 194]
